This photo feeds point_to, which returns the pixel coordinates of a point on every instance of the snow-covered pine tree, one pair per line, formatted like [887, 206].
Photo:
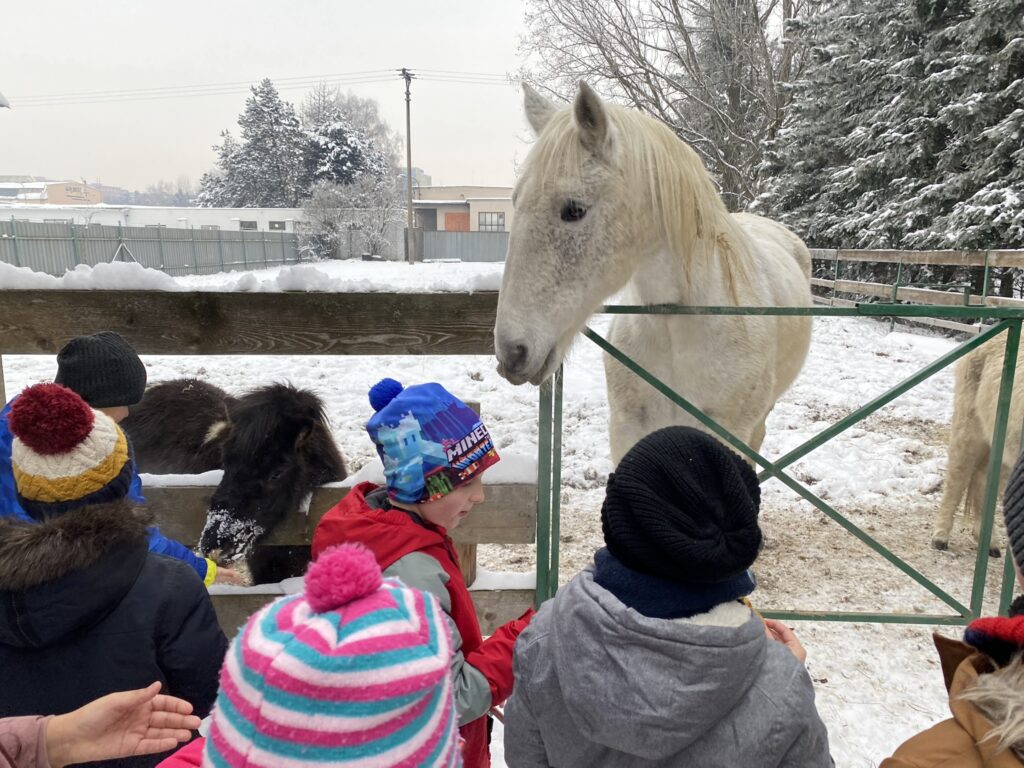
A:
[979, 199]
[360, 112]
[851, 71]
[910, 133]
[336, 152]
[265, 169]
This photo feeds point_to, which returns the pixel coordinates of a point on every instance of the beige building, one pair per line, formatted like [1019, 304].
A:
[463, 209]
[49, 193]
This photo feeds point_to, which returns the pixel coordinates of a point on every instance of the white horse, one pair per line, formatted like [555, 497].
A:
[977, 377]
[610, 198]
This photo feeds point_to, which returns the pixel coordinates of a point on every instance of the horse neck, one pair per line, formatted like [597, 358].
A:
[696, 252]
[701, 274]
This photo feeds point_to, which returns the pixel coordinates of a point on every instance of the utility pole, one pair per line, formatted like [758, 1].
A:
[410, 240]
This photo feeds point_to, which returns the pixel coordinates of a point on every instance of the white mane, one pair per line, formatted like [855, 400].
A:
[662, 173]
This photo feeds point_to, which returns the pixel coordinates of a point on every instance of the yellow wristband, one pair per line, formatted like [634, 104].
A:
[211, 572]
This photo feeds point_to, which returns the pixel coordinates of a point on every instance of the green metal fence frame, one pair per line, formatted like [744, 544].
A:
[1008, 321]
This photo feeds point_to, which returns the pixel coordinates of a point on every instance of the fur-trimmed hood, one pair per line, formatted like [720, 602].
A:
[67, 572]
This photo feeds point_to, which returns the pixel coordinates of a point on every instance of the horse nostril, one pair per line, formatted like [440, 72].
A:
[516, 357]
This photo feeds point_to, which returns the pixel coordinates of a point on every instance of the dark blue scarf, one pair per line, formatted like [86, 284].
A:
[659, 598]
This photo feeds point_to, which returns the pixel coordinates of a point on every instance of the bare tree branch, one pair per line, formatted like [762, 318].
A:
[710, 69]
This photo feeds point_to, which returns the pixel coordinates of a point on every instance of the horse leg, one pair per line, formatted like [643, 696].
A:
[758, 437]
[976, 500]
[630, 417]
[965, 455]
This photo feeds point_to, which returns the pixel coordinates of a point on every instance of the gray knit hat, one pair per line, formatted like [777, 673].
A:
[102, 369]
[1013, 512]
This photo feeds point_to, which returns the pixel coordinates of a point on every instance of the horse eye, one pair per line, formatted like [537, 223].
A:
[573, 210]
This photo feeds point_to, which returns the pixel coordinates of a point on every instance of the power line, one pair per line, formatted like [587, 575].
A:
[454, 72]
[119, 91]
[189, 94]
[467, 82]
[365, 77]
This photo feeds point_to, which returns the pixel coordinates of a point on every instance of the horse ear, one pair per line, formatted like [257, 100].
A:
[591, 118]
[538, 109]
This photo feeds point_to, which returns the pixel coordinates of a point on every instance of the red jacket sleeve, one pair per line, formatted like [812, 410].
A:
[494, 657]
[189, 756]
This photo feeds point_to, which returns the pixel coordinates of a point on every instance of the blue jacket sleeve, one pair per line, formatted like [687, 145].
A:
[9, 505]
[135, 489]
[161, 545]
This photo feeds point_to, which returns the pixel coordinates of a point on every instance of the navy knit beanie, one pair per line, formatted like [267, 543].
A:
[682, 506]
[102, 369]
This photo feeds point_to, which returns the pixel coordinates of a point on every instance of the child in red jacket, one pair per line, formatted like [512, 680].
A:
[435, 450]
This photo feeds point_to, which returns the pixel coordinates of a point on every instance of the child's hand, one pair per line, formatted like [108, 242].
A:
[123, 724]
[780, 633]
[229, 576]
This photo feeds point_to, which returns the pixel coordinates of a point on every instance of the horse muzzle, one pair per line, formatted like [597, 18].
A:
[520, 362]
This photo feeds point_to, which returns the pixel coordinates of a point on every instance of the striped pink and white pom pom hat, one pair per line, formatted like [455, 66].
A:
[354, 673]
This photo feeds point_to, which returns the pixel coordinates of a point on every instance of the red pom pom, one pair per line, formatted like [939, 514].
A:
[50, 419]
[342, 574]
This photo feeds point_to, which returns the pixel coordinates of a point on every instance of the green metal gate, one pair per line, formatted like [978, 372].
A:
[1008, 321]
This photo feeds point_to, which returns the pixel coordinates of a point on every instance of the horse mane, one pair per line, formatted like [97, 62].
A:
[670, 176]
[269, 408]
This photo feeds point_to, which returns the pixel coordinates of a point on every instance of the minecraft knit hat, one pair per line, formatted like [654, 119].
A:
[103, 369]
[65, 454]
[429, 441]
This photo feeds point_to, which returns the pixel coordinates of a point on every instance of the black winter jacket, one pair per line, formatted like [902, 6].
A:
[86, 610]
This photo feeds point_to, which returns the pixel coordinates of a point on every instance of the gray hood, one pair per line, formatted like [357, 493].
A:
[602, 645]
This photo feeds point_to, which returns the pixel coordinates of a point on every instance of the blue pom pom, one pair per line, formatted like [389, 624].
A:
[383, 392]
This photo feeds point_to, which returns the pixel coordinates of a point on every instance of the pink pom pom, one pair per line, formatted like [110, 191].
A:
[341, 574]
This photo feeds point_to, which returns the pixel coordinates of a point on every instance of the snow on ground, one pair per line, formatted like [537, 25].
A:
[876, 684]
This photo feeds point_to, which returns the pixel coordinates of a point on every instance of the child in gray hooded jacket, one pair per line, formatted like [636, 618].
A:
[651, 657]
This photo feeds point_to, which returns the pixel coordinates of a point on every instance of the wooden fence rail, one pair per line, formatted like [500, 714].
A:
[916, 294]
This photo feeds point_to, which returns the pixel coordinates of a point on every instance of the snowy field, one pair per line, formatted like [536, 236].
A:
[876, 684]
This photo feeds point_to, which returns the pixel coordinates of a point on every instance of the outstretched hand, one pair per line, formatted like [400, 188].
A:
[229, 576]
[780, 633]
[125, 724]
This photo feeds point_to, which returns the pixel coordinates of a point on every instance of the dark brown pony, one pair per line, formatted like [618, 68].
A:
[274, 445]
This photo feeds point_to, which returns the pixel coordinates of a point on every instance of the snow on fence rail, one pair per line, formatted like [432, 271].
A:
[232, 323]
[900, 291]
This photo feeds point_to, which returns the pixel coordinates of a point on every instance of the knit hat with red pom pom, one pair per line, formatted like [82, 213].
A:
[65, 454]
[355, 672]
[429, 441]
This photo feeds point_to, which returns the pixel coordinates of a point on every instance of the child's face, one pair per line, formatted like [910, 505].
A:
[450, 510]
[117, 412]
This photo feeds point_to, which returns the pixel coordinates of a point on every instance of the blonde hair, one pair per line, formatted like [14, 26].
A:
[659, 165]
[999, 696]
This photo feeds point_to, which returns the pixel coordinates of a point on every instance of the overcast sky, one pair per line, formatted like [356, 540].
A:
[463, 133]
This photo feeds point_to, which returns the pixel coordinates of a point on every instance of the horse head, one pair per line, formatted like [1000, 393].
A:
[276, 449]
[575, 234]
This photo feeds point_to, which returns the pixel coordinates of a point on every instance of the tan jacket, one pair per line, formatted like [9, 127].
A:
[959, 741]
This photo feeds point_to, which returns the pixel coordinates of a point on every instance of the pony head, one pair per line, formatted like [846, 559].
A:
[573, 238]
